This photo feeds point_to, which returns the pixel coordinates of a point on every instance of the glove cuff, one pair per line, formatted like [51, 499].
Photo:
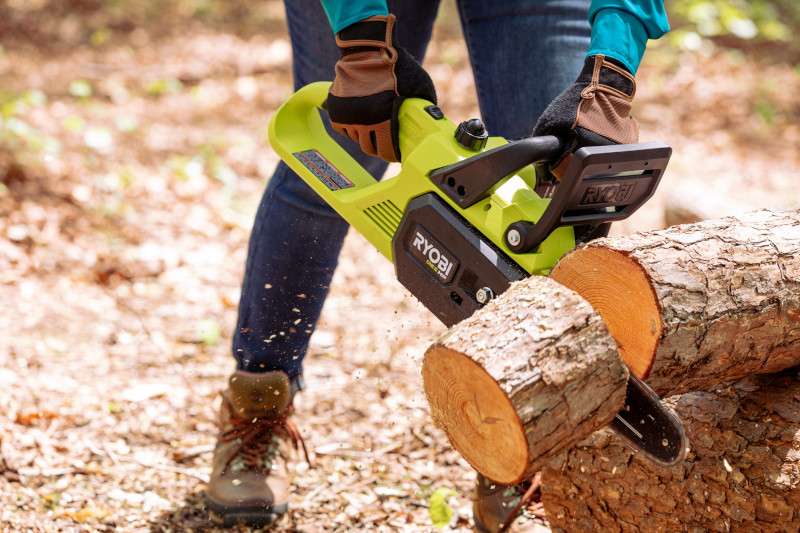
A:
[606, 103]
[601, 70]
[377, 32]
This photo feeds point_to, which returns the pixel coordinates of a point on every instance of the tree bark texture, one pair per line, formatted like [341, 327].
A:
[741, 474]
[696, 305]
[523, 379]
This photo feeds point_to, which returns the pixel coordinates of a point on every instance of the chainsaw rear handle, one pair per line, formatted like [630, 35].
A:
[298, 126]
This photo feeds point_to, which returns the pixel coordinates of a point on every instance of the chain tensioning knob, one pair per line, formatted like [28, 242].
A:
[472, 134]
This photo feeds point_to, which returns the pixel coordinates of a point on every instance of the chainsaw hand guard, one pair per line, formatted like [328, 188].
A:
[601, 184]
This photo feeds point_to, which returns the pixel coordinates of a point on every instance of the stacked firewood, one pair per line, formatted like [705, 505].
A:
[696, 311]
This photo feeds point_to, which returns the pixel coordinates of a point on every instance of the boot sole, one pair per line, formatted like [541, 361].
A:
[256, 516]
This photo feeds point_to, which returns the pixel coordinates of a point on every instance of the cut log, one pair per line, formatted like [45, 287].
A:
[523, 379]
[695, 305]
[740, 475]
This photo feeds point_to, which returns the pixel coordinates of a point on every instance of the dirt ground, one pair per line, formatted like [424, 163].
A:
[123, 231]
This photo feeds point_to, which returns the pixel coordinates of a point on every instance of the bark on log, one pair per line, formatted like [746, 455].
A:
[692, 306]
[523, 379]
[740, 475]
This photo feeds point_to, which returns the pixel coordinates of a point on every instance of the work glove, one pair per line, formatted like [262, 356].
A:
[594, 111]
[373, 77]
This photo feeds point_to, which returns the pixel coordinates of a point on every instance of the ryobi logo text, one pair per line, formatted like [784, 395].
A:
[613, 193]
[432, 254]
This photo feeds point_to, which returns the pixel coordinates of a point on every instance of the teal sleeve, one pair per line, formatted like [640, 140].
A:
[621, 28]
[342, 13]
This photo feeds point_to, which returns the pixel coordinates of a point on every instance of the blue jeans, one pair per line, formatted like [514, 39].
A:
[523, 54]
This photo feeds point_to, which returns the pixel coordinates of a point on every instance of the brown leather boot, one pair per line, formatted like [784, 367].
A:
[500, 508]
[250, 480]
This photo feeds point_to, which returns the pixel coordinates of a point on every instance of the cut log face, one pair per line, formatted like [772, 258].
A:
[696, 305]
[479, 419]
[523, 379]
[620, 290]
[740, 475]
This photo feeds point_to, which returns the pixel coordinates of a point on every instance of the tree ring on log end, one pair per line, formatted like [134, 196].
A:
[476, 414]
[620, 291]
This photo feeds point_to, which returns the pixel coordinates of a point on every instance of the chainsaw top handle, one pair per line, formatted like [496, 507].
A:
[470, 180]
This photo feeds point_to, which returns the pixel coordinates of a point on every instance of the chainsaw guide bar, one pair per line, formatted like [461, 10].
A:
[647, 426]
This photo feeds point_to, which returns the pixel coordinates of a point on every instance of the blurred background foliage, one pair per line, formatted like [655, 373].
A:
[52, 23]
[766, 27]
[765, 31]
[736, 23]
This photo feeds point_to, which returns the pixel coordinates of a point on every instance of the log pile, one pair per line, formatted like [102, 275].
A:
[742, 472]
[688, 307]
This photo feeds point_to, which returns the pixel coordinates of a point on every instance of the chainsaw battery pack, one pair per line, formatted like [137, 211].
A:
[453, 280]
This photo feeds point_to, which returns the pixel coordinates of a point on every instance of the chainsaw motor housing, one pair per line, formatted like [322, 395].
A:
[462, 219]
[446, 264]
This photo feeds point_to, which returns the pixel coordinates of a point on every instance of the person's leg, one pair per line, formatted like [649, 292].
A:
[524, 53]
[293, 250]
[296, 238]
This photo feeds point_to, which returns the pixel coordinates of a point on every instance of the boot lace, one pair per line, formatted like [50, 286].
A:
[259, 438]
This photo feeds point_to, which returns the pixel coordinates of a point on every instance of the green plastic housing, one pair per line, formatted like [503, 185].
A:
[375, 208]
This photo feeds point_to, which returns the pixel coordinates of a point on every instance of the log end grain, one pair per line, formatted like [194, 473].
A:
[524, 378]
[477, 416]
[620, 291]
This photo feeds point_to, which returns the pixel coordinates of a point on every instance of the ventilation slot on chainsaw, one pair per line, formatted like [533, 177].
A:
[386, 216]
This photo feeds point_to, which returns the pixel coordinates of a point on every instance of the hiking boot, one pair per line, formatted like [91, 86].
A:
[250, 481]
[514, 508]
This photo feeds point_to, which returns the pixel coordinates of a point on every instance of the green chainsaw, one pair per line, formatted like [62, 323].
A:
[464, 217]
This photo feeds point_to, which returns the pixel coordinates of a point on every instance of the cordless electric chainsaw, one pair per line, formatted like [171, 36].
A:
[464, 217]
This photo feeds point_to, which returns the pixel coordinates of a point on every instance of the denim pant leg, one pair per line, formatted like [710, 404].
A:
[296, 238]
[524, 53]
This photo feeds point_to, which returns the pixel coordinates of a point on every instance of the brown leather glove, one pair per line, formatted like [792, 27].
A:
[594, 111]
[373, 77]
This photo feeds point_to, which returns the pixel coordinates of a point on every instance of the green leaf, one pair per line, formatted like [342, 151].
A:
[35, 97]
[8, 109]
[80, 89]
[439, 510]
[99, 37]
[127, 123]
[210, 332]
[74, 124]
[225, 175]
[162, 86]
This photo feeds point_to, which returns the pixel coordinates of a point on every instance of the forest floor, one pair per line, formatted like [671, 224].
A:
[124, 220]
